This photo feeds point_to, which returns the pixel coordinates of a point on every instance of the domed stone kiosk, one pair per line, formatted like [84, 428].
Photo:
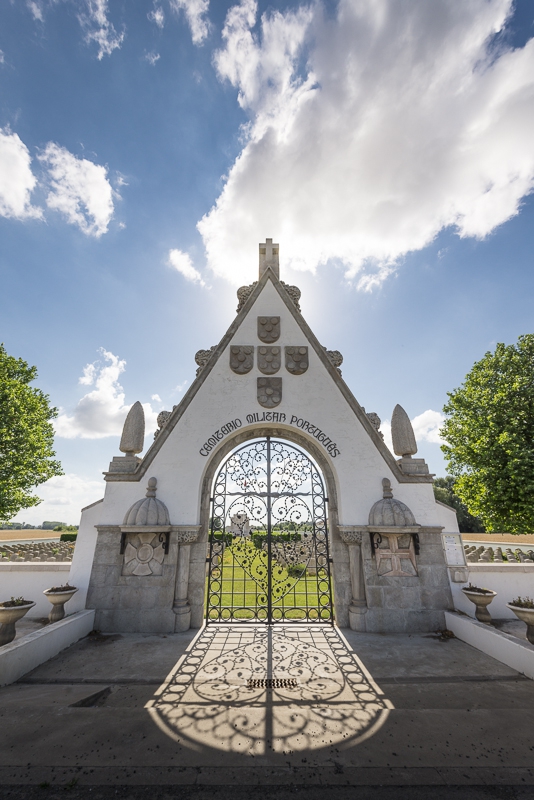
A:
[270, 433]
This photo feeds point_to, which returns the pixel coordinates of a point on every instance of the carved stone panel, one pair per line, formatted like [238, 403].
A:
[269, 329]
[297, 360]
[143, 554]
[242, 358]
[395, 555]
[269, 392]
[269, 359]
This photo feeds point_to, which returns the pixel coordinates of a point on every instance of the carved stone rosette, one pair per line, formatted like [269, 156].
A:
[241, 358]
[202, 357]
[269, 392]
[375, 421]
[269, 329]
[297, 360]
[163, 418]
[294, 293]
[335, 358]
[243, 293]
[269, 359]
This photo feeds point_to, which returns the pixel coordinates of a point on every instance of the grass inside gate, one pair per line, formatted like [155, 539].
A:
[243, 589]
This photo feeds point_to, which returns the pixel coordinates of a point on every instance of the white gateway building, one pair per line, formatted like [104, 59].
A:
[268, 495]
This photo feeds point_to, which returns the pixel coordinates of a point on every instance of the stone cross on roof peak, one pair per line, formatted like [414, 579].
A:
[269, 257]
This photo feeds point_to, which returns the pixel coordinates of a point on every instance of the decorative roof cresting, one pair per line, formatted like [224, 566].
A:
[149, 511]
[389, 512]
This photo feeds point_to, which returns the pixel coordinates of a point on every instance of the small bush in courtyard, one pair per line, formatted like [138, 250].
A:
[471, 588]
[523, 602]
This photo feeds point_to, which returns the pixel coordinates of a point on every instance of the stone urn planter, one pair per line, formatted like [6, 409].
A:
[525, 614]
[481, 598]
[10, 613]
[58, 596]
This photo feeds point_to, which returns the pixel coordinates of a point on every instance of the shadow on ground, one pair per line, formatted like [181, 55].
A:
[254, 689]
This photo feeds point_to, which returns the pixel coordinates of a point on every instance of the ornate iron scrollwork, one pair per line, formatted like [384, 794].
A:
[376, 541]
[268, 546]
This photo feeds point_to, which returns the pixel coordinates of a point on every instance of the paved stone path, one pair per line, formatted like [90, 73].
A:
[346, 710]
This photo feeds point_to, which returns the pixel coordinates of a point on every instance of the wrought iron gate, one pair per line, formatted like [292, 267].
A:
[268, 554]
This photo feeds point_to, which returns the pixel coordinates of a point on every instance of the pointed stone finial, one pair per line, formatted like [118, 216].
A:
[269, 257]
[402, 434]
[386, 489]
[133, 433]
[151, 488]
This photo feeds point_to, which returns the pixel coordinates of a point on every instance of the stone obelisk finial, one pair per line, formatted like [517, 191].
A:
[269, 257]
[402, 434]
[133, 433]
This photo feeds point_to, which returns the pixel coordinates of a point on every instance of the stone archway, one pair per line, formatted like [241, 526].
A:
[268, 554]
[338, 551]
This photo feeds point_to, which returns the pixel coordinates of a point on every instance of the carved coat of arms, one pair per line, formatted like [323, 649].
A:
[269, 329]
[241, 358]
[269, 359]
[297, 360]
[269, 392]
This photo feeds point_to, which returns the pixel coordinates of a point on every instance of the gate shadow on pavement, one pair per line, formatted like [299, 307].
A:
[322, 694]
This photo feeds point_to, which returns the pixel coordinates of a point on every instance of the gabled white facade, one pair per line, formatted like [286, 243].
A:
[221, 410]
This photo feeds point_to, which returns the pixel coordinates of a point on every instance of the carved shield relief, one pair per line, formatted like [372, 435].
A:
[241, 358]
[269, 359]
[269, 392]
[297, 360]
[269, 329]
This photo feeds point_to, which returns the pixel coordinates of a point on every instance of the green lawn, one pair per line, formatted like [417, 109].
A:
[239, 589]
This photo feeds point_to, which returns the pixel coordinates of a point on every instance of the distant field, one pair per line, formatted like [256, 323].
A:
[29, 533]
[499, 538]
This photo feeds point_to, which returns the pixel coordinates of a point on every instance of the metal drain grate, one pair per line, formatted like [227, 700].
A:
[272, 683]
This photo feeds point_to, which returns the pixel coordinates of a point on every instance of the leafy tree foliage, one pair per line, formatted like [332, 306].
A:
[26, 436]
[489, 438]
[444, 492]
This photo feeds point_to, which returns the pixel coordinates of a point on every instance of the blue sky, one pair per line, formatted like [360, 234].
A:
[146, 148]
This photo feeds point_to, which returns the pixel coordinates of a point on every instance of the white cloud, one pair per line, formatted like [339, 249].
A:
[156, 398]
[152, 58]
[101, 412]
[80, 190]
[63, 497]
[425, 427]
[157, 16]
[17, 180]
[36, 10]
[2, 57]
[98, 29]
[371, 130]
[195, 13]
[183, 264]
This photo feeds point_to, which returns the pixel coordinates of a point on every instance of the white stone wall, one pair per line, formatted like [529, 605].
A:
[508, 580]
[29, 580]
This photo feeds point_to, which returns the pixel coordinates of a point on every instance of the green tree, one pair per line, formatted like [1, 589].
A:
[444, 492]
[489, 438]
[26, 436]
